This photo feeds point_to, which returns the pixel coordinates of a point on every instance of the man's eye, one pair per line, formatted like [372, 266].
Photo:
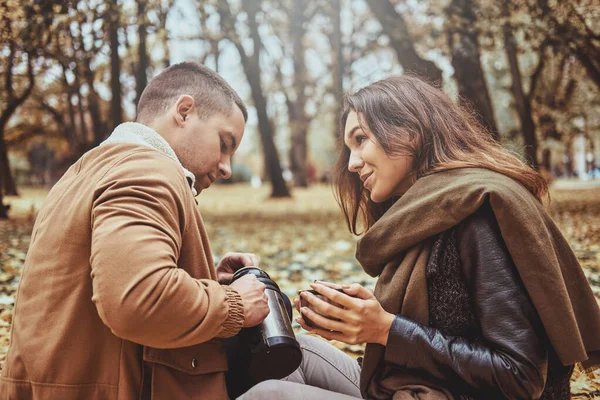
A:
[223, 146]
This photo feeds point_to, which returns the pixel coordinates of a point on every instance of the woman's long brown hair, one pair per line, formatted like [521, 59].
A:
[406, 114]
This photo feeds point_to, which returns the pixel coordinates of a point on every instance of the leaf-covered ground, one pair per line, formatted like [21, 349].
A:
[304, 239]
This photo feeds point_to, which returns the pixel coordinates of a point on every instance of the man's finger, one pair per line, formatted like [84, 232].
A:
[224, 278]
[253, 260]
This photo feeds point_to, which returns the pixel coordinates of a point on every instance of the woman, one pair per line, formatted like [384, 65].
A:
[479, 296]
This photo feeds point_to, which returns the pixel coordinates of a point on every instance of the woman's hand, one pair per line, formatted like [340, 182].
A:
[362, 320]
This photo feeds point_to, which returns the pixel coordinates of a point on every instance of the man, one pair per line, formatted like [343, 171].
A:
[119, 298]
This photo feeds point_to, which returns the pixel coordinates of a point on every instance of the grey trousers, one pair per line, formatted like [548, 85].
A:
[325, 373]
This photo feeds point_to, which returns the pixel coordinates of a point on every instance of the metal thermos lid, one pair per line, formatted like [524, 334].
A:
[261, 275]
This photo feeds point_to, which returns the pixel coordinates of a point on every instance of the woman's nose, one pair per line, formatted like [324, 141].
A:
[355, 163]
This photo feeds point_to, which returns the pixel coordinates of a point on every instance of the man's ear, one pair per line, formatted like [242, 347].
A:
[183, 108]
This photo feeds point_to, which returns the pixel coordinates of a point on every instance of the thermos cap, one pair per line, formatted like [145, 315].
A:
[260, 275]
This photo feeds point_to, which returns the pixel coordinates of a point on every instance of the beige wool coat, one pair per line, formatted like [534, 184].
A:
[118, 297]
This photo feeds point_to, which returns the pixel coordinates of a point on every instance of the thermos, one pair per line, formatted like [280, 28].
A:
[271, 350]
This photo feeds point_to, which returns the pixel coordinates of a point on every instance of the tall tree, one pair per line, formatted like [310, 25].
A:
[574, 24]
[339, 63]
[522, 98]
[12, 100]
[163, 9]
[141, 73]
[88, 46]
[395, 27]
[299, 16]
[462, 34]
[113, 18]
[251, 66]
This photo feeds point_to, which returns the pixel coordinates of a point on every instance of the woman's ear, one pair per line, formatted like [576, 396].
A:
[183, 108]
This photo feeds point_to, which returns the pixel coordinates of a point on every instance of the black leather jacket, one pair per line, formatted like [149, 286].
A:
[511, 358]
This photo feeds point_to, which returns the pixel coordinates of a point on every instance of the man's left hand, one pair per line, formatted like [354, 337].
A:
[231, 262]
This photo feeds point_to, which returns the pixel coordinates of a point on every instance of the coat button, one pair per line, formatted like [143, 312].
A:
[194, 363]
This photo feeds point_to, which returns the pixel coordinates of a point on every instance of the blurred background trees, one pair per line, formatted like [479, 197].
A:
[73, 70]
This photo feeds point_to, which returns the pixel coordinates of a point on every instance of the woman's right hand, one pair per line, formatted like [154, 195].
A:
[328, 284]
[356, 317]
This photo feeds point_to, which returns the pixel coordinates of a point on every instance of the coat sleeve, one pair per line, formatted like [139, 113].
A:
[140, 293]
[512, 357]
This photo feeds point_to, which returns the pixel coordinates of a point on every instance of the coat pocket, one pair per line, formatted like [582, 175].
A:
[185, 373]
[203, 358]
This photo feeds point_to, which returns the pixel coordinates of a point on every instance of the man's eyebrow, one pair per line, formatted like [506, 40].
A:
[232, 139]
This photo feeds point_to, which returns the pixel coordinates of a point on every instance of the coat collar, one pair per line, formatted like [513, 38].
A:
[136, 133]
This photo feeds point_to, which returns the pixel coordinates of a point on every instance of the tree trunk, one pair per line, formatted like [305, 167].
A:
[297, 110]
[116, 111]
[94, 104]
[13, 102]
[141, 77]
[299, 152]
[3, 207]
[265, 127]
[7, 182]
[251, 65]
[522, 101]
[590, 64]
[71, 135]
[395, 28]
[338, 70]
[164, 33]
[84, 139]
[464, 46]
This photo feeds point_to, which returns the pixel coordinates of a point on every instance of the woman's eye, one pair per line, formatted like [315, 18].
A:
[359, 139]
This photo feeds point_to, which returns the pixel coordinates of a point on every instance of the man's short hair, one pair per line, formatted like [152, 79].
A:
[211, 93]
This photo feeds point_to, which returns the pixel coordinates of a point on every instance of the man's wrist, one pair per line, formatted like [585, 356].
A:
[235, 316]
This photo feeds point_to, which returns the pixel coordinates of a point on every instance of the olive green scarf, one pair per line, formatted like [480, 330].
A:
[396, 248]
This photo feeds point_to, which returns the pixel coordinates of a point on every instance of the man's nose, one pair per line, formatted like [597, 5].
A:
[225, 169]
[355, 163]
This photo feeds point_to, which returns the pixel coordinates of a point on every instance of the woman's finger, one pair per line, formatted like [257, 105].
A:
[329, 335]
[301, 322]
[322, 307]
[359, 291]
[341, 298]
[329, 284]
[322, 322]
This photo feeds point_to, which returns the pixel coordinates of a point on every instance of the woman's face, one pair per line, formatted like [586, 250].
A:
[383, 176]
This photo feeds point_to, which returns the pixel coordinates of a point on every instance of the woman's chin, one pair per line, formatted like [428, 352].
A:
[377, 197]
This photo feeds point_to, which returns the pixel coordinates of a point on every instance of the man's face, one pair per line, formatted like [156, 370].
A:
[205, 147]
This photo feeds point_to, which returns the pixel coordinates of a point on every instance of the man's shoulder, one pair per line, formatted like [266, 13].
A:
[130, 160]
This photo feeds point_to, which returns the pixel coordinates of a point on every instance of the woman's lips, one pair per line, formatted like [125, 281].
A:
[366, 181]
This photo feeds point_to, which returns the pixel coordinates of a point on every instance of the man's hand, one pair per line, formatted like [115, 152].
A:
[231, 262]
[256, 306]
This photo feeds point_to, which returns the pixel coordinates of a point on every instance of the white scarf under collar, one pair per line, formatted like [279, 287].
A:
[135, 133]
